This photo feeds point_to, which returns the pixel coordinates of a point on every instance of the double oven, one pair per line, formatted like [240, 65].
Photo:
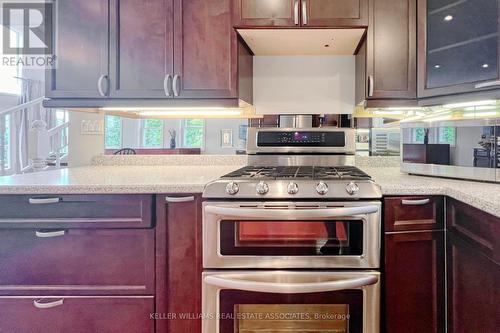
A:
[286, 266]
[290, 259]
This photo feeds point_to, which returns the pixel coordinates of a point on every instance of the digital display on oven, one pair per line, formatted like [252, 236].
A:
[300, 139]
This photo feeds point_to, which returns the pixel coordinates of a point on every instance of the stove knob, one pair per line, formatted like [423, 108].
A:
[262, 188]
[352, 188]
[232, 188]
[293, 188]
[322, 188]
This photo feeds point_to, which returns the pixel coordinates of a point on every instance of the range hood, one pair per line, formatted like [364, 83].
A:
[302, 41]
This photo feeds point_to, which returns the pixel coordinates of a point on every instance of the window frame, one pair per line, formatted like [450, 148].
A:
[8, 165]
[142, 134]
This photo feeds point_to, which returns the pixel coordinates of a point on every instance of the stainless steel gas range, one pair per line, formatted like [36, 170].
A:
[291, 243]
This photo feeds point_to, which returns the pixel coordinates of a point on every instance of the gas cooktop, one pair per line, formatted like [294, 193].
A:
[298, 172]
[294, 182]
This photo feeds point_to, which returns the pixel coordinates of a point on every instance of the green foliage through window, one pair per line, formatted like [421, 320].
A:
[447, 135]
[418, 135]
[113, 132]
[153, 133]
[194, 133]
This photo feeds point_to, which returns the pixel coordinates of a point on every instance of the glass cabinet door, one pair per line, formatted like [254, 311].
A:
[461, 46]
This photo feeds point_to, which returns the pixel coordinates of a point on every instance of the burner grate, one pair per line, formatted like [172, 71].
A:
[303, 172]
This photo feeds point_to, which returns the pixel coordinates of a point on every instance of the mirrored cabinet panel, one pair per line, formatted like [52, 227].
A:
[458, 46]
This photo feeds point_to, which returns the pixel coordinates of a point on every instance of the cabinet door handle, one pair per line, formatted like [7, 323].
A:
[179, 199]
[175, 85]
[43, 201]
[415, 202]
[304, 12]
[39, 305]
[296, 12]
[487, 84]
[50, 234]
[166, 85]
[370, 85]
[99, 85]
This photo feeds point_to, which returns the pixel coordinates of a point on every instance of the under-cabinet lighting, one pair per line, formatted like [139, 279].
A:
[388, 112]
[437, 66]
[485, 65]
[448, 18]
[481, 108]
[480, 114]
[198, 112]
[468, 104]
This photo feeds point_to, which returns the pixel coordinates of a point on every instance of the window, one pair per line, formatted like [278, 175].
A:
[152, 133]
[113, 132]
[193, 133]
[6, 144]
[9, 84]
[418, 135]
[61, 117]
[446, 135]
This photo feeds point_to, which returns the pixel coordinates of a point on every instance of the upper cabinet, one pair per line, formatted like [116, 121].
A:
[81, 27]
[304, 13]
[458, 46]
[386, 64]
[175, 49]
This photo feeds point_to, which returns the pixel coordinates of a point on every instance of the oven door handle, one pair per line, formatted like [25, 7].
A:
[225, 282]
[290, 214]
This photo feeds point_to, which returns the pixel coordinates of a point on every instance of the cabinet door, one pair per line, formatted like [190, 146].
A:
[392, 50]
[179, 261]
[206, 53]
[141, 48]
[334, 13]
[81, 48]
[76, 314]
[458, 46]
[250, 13]
[414, 280]
[473, 288]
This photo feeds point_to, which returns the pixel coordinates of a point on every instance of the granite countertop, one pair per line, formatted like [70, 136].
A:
[192, 179]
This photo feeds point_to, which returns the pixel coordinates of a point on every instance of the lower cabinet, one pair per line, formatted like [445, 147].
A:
[473, 244]
[76, 314]
[414, 282]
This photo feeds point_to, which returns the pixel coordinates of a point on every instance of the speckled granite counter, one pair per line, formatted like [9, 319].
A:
[191, 179]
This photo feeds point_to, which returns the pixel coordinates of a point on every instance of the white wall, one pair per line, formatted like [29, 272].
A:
[83, 147]
[304, 84]
[467, 139]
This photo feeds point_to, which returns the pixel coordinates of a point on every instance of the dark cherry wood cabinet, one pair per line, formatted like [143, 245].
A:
[386, 65]
[81, 49]
[79, 263]
[175, 49]
[414, 264]
[303, 13]
[76, 314]
[141, 52]
[457, 47]
[473, 266]
[179, 262]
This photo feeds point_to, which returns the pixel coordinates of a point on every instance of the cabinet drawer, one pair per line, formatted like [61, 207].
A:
[414, 213]
[77, 261]
[75, 211]
[478, 228]
[76, 314]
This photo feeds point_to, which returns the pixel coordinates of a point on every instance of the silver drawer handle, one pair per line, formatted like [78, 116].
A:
[166, 85]
[39, 305]
[487, 84]
[175, 85]
[415, 202]
[43, 201]
[99, 85]
[179, 199]
[304, 12]
[50, 234]
[296, 12]
[370, 85]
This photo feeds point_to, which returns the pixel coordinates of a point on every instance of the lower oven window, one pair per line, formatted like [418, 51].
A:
[291, 238]
[329, 312]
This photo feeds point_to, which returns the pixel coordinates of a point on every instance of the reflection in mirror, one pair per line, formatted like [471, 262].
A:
[175, 136]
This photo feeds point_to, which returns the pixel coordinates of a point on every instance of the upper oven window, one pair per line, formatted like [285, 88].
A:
[291, 238]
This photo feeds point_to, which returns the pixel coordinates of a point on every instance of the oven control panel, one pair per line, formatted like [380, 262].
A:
[301, 139]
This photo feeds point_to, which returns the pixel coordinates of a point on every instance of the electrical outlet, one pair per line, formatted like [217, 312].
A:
[91, 127]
